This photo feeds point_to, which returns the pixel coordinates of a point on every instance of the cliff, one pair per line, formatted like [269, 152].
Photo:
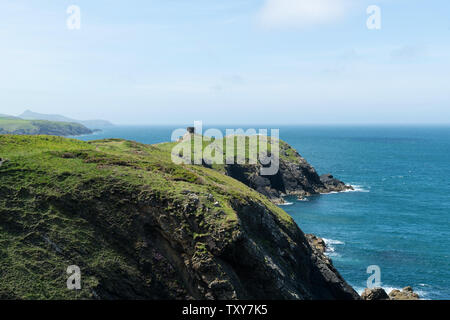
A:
[141, 227]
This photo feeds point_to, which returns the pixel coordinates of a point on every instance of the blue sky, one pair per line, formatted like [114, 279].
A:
[228, 62]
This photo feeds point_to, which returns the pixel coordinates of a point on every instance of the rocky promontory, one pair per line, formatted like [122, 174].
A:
[295, 177]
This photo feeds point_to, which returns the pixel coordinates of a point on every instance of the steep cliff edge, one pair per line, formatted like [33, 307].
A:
[141, 227]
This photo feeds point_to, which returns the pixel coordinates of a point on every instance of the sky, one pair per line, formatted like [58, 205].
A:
[227, 61]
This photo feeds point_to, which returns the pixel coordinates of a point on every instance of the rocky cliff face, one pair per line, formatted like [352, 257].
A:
[295, 177]
[140, 227]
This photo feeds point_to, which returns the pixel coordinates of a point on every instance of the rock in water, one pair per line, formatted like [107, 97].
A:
[333, 184]
[407, 293]
[374, 294]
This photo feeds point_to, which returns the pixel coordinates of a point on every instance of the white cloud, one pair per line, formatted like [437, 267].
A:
[301, 13]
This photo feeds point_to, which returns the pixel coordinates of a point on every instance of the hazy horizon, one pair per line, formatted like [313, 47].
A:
[247, 124]
[284, 62]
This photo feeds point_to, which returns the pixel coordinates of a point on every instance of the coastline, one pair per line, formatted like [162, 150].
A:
[301, 196]
[95, 131]
[376, 201]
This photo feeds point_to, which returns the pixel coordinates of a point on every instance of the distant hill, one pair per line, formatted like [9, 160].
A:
[5, 116]
[91, 124]
[12, 125]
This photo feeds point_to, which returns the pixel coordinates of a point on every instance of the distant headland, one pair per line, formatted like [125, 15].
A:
[91, 124]
[33, 123]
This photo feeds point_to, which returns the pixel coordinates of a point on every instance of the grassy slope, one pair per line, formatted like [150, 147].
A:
[39, 238]
[241, 147]
[19, 126]
[11, 125]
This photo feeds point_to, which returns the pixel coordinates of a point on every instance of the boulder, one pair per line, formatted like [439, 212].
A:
[374, 294]
[407, 293]
[333, 184]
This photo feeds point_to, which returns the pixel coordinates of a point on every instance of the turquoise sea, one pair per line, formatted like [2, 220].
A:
[399, 216]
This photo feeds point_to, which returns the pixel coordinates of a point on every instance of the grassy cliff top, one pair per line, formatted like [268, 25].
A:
[241, 144]
[51, 189]
[131, 162]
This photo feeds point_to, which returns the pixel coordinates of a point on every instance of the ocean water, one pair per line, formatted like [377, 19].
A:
[399, 216]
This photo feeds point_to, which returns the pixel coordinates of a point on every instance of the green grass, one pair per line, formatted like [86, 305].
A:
[11, 125]
[53, 213]
[242, 146]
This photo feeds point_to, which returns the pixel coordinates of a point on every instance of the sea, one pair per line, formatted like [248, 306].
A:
[398, 217]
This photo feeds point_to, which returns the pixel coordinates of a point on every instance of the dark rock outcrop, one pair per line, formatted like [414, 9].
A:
[296, 177]
[333, 184]
[295, 266]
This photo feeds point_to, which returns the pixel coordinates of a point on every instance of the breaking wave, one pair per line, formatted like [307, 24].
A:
[330, 247]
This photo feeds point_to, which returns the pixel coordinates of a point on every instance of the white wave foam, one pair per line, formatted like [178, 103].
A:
[330, 249]
[422, 294]
[389, 289]
[360, 290]
[286, 204]
[331, 241]
[332, 254]
[357, 188]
